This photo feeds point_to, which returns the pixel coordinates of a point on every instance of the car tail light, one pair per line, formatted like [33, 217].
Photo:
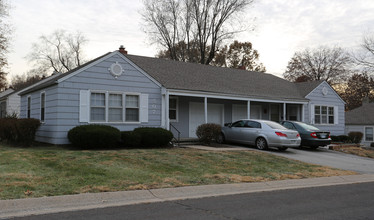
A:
[280, 134]
[298, 135]
[314, 135]
[329, 136]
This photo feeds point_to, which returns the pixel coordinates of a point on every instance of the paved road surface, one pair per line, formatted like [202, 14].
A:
[323, 156]
[353, 201]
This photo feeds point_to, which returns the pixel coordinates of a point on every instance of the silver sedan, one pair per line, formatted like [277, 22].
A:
[261, 133]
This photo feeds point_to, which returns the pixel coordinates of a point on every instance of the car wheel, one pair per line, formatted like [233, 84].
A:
[314, 147]
[282, 148]
[261, 143]
[221, 139]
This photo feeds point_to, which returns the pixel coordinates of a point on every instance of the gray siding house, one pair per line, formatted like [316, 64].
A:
[128, 91]
[361, 119]
[9, 103]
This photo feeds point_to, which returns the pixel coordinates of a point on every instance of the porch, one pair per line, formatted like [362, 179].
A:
[185, 113]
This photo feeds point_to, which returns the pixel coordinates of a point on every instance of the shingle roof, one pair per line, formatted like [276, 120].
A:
[363, 115]
[306, 87]
[198, 77]
[203, 78]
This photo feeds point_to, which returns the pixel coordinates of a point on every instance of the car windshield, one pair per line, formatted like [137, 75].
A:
[275, 125]
[306, 126]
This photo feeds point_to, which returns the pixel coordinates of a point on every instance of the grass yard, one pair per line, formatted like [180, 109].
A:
[353, 149]
[51, 171]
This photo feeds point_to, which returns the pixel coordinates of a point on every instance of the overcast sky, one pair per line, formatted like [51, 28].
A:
[282, 27]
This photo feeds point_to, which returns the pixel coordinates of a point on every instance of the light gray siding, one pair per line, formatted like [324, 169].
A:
[317, 97]
[62, 100]
[359, 128]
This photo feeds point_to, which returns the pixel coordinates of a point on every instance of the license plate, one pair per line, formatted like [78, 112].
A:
[323, 136]
[293, 141]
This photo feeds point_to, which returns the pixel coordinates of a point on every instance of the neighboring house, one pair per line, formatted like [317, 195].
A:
[361, 119]
[127, 91]
[9, 103]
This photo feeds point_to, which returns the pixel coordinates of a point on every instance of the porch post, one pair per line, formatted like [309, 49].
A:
[302, 113]
[167, 120]
[248, 109]
[206, 109]
[284, 111]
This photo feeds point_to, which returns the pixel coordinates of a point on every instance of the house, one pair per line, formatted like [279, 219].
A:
[128, 91]
[9, 103]
[361, 119]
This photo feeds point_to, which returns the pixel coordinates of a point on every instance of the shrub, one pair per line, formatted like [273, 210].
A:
[372, 144]
[208, 132]
[130, 139]
[335, 138]
[18, 131]
[153, 137]
[355, 136]
[94, 136]
[344, 138]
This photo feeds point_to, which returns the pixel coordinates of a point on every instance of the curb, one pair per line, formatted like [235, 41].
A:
[55, 204]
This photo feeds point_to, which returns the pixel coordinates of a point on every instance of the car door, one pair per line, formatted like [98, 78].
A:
[232, 133]
[250, 132]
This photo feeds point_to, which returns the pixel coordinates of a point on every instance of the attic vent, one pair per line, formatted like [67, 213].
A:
[116, 69]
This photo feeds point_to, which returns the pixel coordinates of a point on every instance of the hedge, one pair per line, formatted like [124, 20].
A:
[208, 132]
[94, 136]
[19, 131]
[130, 139]
[355, 136]
[153, 137]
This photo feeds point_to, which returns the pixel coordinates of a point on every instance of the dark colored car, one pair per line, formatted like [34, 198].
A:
[310, 135]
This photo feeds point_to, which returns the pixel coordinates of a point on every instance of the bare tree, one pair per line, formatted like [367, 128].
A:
[200, 24]
[4, 42]
[323, 63]
[365, 57]
[58, 52]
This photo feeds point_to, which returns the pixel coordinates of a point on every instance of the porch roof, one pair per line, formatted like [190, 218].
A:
[203, 78]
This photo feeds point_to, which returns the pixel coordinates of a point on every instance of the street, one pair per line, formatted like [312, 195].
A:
[352, 201]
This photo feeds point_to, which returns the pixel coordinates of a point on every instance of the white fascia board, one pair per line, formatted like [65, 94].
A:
[229, 97]
[138, 68]
[326, 84]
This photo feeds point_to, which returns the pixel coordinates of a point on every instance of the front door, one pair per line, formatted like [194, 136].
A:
[196, 115]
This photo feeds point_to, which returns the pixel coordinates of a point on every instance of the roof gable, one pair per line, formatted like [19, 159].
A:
[307, 88]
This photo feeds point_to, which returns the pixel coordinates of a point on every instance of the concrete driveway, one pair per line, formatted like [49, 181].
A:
[325, 157]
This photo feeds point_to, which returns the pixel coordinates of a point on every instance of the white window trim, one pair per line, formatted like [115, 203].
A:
[124, 119]
[107, 107]
[365, 133]
[176, 109]
[40, 107]
[324, 124]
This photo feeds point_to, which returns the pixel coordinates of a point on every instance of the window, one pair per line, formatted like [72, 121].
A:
[2, 109]
[238, 124]
[132, 108]
[368, 133]
[252, 124]
[173, 109]
[323, 115]
[97, 107]
[289, 125]
[28, 107]
[42, 106]
[115, 113]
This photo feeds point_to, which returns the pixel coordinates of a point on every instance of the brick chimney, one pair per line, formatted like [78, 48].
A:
[241, 67]
[122, 49]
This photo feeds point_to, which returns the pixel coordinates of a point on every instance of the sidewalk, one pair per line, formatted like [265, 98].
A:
[44, 205]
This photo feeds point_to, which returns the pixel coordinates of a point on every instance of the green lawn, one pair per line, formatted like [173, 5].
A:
[50, 171]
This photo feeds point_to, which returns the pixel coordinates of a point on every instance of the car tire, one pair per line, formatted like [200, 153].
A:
[221, 138]
[314, 147]
[282, 148]
[261, 143]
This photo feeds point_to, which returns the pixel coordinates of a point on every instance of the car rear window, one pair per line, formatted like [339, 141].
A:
[275, 125]
[307, 127]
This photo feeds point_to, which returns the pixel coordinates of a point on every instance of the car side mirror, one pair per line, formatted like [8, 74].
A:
[228, 125]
